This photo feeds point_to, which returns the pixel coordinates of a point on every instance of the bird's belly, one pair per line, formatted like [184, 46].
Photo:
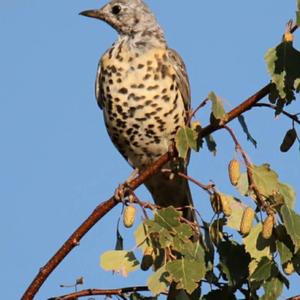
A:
[143, 109]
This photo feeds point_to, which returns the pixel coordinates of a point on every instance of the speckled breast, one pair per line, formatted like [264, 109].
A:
[141, 101]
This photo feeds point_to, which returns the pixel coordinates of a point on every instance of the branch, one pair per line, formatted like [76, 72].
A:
[99, 292]
[294, 298]
[108, 205]
[272, 106]
[237, 111]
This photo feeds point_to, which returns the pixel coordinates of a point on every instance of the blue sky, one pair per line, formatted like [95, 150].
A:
[57, 162]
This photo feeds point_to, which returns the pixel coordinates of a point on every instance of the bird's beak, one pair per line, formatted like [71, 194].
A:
[93, 13]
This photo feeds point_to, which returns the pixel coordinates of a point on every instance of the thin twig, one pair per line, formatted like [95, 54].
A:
[193, 113]
[294, 117]
[99, 292]
[249, 167]
[206, 188]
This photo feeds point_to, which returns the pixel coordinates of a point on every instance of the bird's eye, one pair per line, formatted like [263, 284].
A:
[116, 9]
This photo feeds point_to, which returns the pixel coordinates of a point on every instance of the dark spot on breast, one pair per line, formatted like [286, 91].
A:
[146, 77]
[113, 69]
[141, 119]
[119, 109]
[166, 98]
[123, 90]
[164, 91]
[131, 111]
[148, 102]
[152, 87]
[129, 131]
[140, 66]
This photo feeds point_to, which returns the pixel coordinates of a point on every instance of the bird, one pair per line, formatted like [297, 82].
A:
[143, 89]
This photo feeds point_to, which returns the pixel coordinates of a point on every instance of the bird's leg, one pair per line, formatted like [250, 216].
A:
[123, 190]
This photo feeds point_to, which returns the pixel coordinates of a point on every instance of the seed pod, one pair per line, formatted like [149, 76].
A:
[148, 259]
[216, 204]
[289, 140]
[247, 220]
[234, 171]
[268, 225]
[226, 208]
[129, 216]
[289, 268]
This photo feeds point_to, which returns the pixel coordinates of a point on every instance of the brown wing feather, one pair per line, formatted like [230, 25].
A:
[98, 88]
[182, 77]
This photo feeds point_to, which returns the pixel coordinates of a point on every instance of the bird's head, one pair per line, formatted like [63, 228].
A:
[126, 16]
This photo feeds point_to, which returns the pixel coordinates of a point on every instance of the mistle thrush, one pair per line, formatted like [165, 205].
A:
[143, 89]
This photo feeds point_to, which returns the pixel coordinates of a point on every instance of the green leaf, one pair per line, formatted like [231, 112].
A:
[292, 224]
[190, 250]
[165, 238]
[238, 207]
[243, 123]
[243, 185]
[183, 231]
[217, 106]
[167, 225]
[273, 289]
[142, 237]
[185, 139]
[265, 179]
[211, 144]
[284, 252]
[159, 281]
[186, 272]
[119, 261]
[257, 246]
[283, 64]
[168, 217]
[288, 194]
[234, 262]
[263, 271]
[298, 17]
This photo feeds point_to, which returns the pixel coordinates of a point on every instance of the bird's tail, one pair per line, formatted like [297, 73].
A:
[175, 192]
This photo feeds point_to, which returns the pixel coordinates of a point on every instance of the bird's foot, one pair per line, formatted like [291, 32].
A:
[121, 192]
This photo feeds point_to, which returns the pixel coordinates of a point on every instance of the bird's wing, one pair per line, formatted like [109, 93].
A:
[98, 86]
[182, 77]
